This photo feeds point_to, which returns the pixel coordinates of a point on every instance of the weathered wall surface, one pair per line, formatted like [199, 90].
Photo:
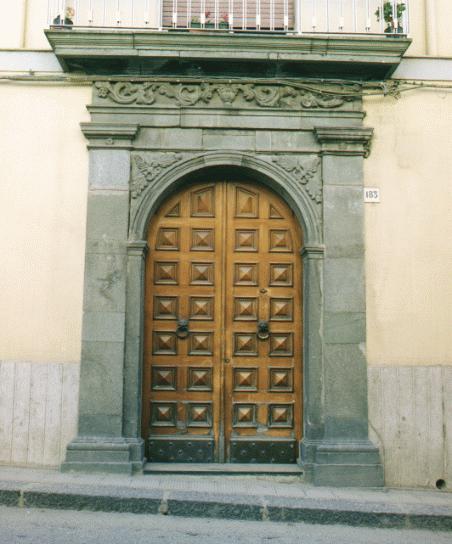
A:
[410, 418]
[409, 234]
[44, 178]
[38, 411]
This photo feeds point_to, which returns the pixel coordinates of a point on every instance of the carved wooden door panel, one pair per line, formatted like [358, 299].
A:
[222, 365]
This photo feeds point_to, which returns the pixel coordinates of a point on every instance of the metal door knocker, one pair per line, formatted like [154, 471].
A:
[182, 328]
[263, 330]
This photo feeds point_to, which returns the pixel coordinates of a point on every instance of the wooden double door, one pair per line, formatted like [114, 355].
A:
[223, 331]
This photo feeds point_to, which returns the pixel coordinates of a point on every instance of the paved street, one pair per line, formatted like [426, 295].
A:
[33, 526]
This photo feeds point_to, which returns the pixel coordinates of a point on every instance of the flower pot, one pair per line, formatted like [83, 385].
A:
[195, 25]
[209, 25]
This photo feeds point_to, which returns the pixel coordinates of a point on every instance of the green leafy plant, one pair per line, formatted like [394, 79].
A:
[224, 20]
[194, 23]
[388, 15]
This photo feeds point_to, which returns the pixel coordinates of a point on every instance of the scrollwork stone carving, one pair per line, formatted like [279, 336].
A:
[146, 171]
[262, 95]
[304, 173]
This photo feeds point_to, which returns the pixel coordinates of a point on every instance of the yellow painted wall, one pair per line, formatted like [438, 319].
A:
[429, 25]
[11, 24]
[409, 234]
[44, 176]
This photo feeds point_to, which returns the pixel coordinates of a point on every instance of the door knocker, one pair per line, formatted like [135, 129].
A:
[263, 330]
[182, 328]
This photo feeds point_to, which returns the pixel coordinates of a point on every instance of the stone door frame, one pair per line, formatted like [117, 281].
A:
[323, 185]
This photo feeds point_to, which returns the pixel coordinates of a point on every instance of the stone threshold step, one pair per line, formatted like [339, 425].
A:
[222, 468]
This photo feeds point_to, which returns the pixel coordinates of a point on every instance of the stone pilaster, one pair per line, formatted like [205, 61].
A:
[101, 443]
[343, 455]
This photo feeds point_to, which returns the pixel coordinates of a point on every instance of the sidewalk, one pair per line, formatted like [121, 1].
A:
[256, 497]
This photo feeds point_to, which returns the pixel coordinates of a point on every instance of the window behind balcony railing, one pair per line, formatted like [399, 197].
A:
[300, 16]
[232, 14]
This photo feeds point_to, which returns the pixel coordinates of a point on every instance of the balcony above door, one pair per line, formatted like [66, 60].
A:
[346, 39]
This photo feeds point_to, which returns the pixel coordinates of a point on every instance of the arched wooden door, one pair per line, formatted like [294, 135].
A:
[223, 331]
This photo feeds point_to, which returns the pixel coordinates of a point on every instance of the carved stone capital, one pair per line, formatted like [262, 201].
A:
[137, 248]
[109, 135]
[348, 141]
[313, 252]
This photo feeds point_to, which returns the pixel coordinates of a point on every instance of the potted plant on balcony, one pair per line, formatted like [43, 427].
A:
[194, 23]
[224, 21]
[388, 16]
[209, 23]
[68, 17]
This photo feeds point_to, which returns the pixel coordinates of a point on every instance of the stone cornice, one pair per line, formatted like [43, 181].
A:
[344, 140]
[123, 51]
[108, 135]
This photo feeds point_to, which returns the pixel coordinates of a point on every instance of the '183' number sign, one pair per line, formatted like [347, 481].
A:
[371, 194]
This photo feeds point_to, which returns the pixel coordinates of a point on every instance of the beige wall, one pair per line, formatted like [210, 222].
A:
[429, 25]
[409, 234]
[44, 173]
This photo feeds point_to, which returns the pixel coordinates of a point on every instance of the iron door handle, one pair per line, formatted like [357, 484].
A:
[182, 328]
[263, 330]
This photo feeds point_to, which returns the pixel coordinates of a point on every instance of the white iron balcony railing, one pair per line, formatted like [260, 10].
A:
[287, 16]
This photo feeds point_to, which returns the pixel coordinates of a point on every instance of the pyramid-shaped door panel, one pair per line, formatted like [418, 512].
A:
[245, 309]
[201, 343]
[280, 415]
[202, 274]
[245, 379]
[244, 415]
[246, 240]
[199, 379]
[245, 344]
[246, 203]
[199, 415]
[166, 273]
[281, 379]
[174, 211]
[202, 240]
[163, 414]
[165, 307]
[281, 344]
[274, 213]
[164, 378]
[167, 239]
[281, 275]
[281, 309]
[202, 202]
[245, 273]
[280, 241]
[164, 343]
[201, 308]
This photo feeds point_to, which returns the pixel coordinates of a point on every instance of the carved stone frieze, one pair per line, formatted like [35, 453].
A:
[305, 172]
[228, 94]
[144, 172]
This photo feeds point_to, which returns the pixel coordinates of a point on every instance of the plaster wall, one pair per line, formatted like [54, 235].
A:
[429, 26]
[409, 234]
[11, 24]
[44, 177]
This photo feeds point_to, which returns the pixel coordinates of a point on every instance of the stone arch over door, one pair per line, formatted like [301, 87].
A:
[321, 187]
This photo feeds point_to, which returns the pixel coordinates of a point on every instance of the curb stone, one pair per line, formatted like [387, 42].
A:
[183, 504]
